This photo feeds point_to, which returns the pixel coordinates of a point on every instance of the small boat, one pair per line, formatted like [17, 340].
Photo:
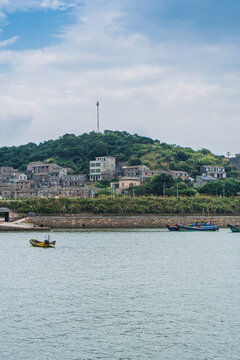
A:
[203, 226]
[172, 228]
[234, 228]
[44, 243]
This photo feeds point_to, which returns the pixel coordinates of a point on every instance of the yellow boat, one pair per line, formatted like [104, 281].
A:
[45, 243]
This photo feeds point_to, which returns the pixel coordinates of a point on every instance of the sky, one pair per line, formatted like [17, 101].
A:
[167, 69]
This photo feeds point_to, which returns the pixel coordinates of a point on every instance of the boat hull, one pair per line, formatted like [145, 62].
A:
[42, 244]
[198, 228]
[234, 228]
[172, 228]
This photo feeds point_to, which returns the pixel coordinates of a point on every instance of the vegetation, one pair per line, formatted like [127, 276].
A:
[164, 184]
[126, 205]
[76, 152]
[227, 187]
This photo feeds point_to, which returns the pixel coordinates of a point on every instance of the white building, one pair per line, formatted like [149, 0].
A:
[215, 171]
[102, 168]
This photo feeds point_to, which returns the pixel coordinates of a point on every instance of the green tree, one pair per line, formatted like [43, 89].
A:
[228, 187]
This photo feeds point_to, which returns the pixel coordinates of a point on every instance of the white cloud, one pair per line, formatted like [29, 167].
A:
[58, 4]
[7, 42]
[180, 93]
[24, 5]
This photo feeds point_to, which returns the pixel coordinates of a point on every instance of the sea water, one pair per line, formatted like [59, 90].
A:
[137, 294]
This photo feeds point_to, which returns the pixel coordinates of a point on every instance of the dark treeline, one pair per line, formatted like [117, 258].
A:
[76, 152]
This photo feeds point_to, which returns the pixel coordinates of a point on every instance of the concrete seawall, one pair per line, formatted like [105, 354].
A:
[108, 222]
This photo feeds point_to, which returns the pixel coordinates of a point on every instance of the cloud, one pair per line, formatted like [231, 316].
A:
[58, 4]
[179, 91]
[23, 5]
[8, 42]
[13, 126]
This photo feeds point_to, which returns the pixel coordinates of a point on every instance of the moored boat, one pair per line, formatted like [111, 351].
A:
[172, 228]
[203, 226]
[234, 228]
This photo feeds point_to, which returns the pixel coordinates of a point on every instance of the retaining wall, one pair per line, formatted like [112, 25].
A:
[149, 221]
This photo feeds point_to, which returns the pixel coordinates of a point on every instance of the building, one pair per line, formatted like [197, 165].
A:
[40, 168]
[141, 171]
[57, 191]
[73, 180]
[236, 161]
[178, 174]
[215, 171]
[102, 168]
[9, 174]
[144, 173]
[126, 182]
[202, 180]
[21, 189]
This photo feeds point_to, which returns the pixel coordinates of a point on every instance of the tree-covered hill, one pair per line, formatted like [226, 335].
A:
[76, 152]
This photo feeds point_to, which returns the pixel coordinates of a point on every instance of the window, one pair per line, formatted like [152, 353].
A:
[123, 184]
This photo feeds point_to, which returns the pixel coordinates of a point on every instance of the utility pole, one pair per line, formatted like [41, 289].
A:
[15, 190]
[164, 189]
[223, 191]
[98, 116]
[177, 189]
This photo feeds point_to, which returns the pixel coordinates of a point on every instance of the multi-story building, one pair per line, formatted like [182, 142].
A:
[141, 171]
[57, 191]
[179, 174]
[40, 168]
[215, 171]
[19, 190]
[102, 168]
[8, 174]
[73, 180]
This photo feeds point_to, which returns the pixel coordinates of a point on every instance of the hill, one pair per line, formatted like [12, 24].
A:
[76, 152]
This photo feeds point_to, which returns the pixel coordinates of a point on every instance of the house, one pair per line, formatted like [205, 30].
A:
[215, 171]
[40, 168]
[57, 191]
[73, 180]
[179, 174]
[126, 182]
[141, 171]
[21, 189]
[102, 168]
[8, 174]
[202, 180]
[137, 170]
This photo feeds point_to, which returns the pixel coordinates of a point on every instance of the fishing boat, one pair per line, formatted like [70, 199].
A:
[234, 228]
[44, 243]
[199, 226]
[172, 228]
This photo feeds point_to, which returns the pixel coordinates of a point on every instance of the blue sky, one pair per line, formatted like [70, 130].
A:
[164, 69]
[35, 29]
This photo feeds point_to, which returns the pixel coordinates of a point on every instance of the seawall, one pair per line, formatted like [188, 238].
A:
[108, 222]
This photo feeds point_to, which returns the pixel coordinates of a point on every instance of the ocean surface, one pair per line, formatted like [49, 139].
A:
[120, 295]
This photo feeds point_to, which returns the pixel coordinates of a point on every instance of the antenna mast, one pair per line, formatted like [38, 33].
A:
[97, 116]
